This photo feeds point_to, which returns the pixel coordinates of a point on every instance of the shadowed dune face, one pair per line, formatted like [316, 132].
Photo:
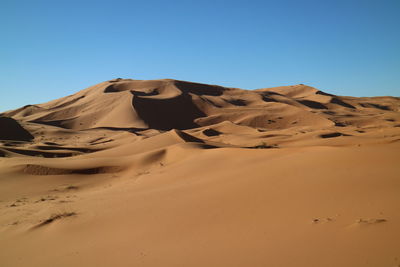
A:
[312, 104]
[131, 85]
[200, 89]
[165, 173]
[337, 101]
[174, 113]
[10, 129]
[42, 170]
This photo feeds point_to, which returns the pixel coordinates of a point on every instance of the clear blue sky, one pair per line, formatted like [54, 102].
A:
[50, 49]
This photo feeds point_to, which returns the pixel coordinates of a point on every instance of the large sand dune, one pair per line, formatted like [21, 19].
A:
[174, 173]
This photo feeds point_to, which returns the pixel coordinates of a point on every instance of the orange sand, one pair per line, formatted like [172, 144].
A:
[173, 173]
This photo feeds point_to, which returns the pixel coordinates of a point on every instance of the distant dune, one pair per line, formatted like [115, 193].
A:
[174, 173]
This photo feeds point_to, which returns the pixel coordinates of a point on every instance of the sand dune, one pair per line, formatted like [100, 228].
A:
[175, 173]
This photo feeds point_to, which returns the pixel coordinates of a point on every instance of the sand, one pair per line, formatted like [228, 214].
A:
[174, 173]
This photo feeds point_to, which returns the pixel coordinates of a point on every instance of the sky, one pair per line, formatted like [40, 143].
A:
[50, 49]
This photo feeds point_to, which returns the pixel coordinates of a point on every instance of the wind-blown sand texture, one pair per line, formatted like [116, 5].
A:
[174, 173]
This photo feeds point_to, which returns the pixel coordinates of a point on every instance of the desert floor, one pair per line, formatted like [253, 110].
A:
[172, 173]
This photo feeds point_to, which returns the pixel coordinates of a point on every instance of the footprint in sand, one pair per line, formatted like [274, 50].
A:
[370, 221]
[323, 220]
